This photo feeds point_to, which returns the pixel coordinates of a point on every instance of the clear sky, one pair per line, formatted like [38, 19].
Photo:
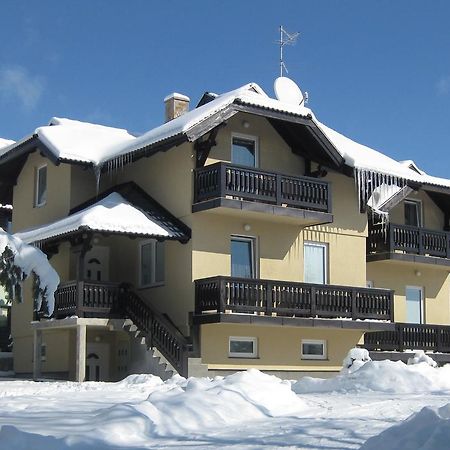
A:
[377, 71]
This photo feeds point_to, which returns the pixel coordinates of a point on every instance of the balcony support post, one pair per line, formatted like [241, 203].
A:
[278, 188]
[37, 360]
[80, 373]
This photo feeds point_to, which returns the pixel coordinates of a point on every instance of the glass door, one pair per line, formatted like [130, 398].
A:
[243, 257]
[315, 263]
[414, 304]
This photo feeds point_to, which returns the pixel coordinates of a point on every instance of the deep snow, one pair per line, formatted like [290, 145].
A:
[247, 410]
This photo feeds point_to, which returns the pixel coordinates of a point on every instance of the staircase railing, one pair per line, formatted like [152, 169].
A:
[161, 333]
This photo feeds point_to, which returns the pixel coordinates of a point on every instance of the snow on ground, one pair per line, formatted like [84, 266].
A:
[246, 410]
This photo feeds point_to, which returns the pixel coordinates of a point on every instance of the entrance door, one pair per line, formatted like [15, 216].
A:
[97, 264]
[414, 304]
[97, 362]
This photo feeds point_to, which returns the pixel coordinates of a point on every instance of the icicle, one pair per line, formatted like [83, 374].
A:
[97, 173]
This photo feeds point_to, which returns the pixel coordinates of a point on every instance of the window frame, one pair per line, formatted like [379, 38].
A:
[252, 339]
[419, 206]
[36, 186]
[153, 282]
[254, 253]
[247, 137]
[326, 262]
[421, 289]
[324, 354]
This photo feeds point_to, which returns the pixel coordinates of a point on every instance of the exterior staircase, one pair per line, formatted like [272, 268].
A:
[169, 348]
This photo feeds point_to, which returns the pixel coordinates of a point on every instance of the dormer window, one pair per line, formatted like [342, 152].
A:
[40, 197]
[413, 213]
[244, 150]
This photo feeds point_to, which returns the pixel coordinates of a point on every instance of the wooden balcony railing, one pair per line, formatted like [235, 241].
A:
[416, 240]
[108, 300]
[242, 295]
[410, 336]
[247, 183]
[87, 299]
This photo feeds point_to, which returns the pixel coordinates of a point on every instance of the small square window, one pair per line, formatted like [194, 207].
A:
[314, 349]
[40, 198]
[43, 352]
[151, 255]
[243, 347]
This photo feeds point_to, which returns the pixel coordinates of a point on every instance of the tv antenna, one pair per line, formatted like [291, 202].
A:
[285, 39]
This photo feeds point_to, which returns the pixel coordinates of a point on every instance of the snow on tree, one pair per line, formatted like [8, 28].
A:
[18, 261]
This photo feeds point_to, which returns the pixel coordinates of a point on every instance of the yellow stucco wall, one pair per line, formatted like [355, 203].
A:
[432, 215]
[279, 348]
[25, 214]
[434, 280]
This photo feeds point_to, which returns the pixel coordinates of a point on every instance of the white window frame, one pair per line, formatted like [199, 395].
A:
[324, 354]
[324, 245]
[254, 249]
[252, 339]
[247, 137]
[419, 206]
[36, 186]
[153, 283]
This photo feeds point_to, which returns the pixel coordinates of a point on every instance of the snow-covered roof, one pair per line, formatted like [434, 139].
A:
[6, 142]
[365, 158]
[112, 214]
[99, 145]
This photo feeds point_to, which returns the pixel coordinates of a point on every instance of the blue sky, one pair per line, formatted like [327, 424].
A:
[378, 72]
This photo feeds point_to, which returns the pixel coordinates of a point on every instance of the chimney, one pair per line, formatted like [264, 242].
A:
[176, 105]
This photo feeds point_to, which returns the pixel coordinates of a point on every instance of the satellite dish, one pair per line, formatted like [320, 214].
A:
[287, 91]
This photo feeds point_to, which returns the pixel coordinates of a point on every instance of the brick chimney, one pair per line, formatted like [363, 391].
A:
[176, 105]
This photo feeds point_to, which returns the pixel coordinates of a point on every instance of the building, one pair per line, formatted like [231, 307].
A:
[234, 235]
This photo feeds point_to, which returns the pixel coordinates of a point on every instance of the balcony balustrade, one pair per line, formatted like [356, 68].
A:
[408, 239]
[281, 298]
[247, 183]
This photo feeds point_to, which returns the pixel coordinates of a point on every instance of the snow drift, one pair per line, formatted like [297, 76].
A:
[382, 376]
[429, 429]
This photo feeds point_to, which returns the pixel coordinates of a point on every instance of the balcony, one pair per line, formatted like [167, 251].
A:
[225, 185]
[408, 243]
[410, 336]
[289, 303]
[87, 299]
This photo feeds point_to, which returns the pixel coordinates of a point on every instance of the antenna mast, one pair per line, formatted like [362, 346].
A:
[285, 39]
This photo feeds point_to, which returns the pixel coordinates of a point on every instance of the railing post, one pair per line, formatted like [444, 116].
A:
[195, 186]
[313, 302]
[391, 306]
[438, 332]
[278, 192]
[222, 293]
[421, 241]
[329, 198]
[354, 314]
[223, 179]
[391, 231]
[400, 338]
[80, 299]
[269, 297]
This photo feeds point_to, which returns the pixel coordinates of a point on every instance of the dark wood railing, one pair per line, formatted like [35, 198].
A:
[410, 336]
[161, 333]
[103, 299]
[242, 295]
[409, 239]
[87, 299]
[225, 179]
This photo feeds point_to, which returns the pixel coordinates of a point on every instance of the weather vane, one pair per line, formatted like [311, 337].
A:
[285, 39]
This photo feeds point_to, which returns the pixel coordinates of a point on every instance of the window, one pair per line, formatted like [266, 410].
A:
[243, 347]
[315, 263]
[413, 213]
[414, 304]
[243, 151]
[151, 254]
[43, 352]
[243, 257]
[40, 197]
[369, 284]
[314, 349]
